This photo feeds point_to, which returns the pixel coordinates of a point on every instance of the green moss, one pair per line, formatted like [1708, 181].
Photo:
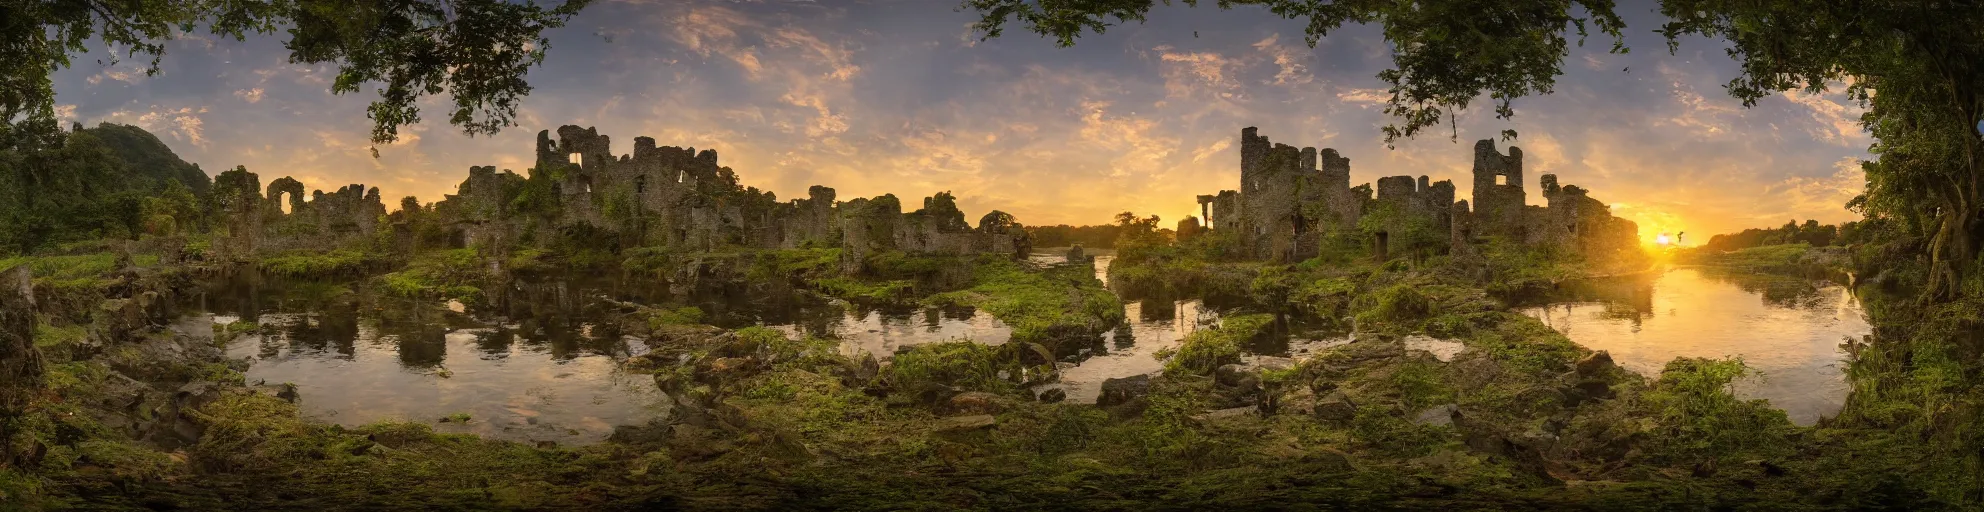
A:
[48, 336]
[451, 274]
[661, 317]
[316, 264]
[1206, 349]
[1038, 305]
[866, 291]
[1700, 420]
[959, 364]
[1397, 308]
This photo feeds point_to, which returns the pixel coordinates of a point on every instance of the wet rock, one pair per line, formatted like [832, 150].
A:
[1053, 396]
[1231, 374]
[1075, 254]
[1335, 406]
[1122, 390]
[285, 391]
[870, 367]
[1440, 415]
[1221, 414]
[1597, 364]
[931, 393]
[966, 423]
[194, 395]
[975, 402]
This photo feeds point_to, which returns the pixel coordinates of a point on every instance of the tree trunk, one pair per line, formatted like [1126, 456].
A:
[20, 361]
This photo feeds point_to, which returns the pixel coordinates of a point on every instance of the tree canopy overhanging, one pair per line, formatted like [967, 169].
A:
[475, 51]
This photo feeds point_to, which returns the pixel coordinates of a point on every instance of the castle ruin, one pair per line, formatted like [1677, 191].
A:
[1290, 198]
[671, 197]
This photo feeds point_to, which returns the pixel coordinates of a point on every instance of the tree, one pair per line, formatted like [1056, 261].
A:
[1445, 53]
[1925, 59]
[475, 51]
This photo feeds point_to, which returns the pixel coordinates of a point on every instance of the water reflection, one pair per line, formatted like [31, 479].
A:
[1788, 329]
[1131, 350]
[540, 371]
[881, 332]
[1059, 255]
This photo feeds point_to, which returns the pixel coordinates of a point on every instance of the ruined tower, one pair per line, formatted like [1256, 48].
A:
[1498, 193]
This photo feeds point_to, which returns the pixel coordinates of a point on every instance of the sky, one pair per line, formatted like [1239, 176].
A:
[900, 96]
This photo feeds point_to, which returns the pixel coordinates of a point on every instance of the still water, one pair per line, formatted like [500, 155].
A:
[1788, 330]
[522, 376]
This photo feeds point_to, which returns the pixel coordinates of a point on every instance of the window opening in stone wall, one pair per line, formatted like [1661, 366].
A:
[681, 176]
[640, 184]
[578, 158]
[282, 201]
[1501, 179]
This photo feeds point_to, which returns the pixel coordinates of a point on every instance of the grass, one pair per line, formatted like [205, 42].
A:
[1038, 305]
[315, 264]
[1206, 350]
[452, 274]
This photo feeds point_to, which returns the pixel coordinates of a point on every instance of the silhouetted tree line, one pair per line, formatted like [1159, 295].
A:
[1063, 235]
[1811, 232]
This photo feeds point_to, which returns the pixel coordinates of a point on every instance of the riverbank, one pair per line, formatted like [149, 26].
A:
[1517, 417]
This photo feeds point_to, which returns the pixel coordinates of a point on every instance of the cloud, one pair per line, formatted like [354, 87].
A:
[249, 95]
[1835, 122]
[1288, 60]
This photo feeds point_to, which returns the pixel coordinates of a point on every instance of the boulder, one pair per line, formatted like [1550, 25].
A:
[1439, 415]
[1597, 364]
[1122, 390]
[1230, 374]
[1335, 406]
[966, 423]
[975, 402]
[1055, 395]
[285, 391]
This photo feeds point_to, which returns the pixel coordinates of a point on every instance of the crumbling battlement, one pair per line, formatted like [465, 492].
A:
[672, 197]
[1290, 197]
[279, 219]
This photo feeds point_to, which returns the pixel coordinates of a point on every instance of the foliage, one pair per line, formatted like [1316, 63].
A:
[452, 274]
[960, 364]
[1446, 54]
[1810, 233]
[1206, 350]
[1404, 233]
[104, 182]
[1701, 420]
[1038, 305]
[476, 52]
[1062, 235]
[316, 264]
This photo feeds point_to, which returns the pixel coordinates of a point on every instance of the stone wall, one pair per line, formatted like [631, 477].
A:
[1289, 198]
[672, 197]
[279, 219]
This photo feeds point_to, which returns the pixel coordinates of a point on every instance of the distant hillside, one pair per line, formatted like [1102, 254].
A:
[145, 156]
[112, 181]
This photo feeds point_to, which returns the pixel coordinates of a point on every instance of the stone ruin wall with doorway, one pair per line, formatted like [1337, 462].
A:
[1290, 198]
[657, 196]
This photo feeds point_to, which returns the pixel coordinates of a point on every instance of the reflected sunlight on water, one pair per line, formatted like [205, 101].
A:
[516, 385]
[1788, 330]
